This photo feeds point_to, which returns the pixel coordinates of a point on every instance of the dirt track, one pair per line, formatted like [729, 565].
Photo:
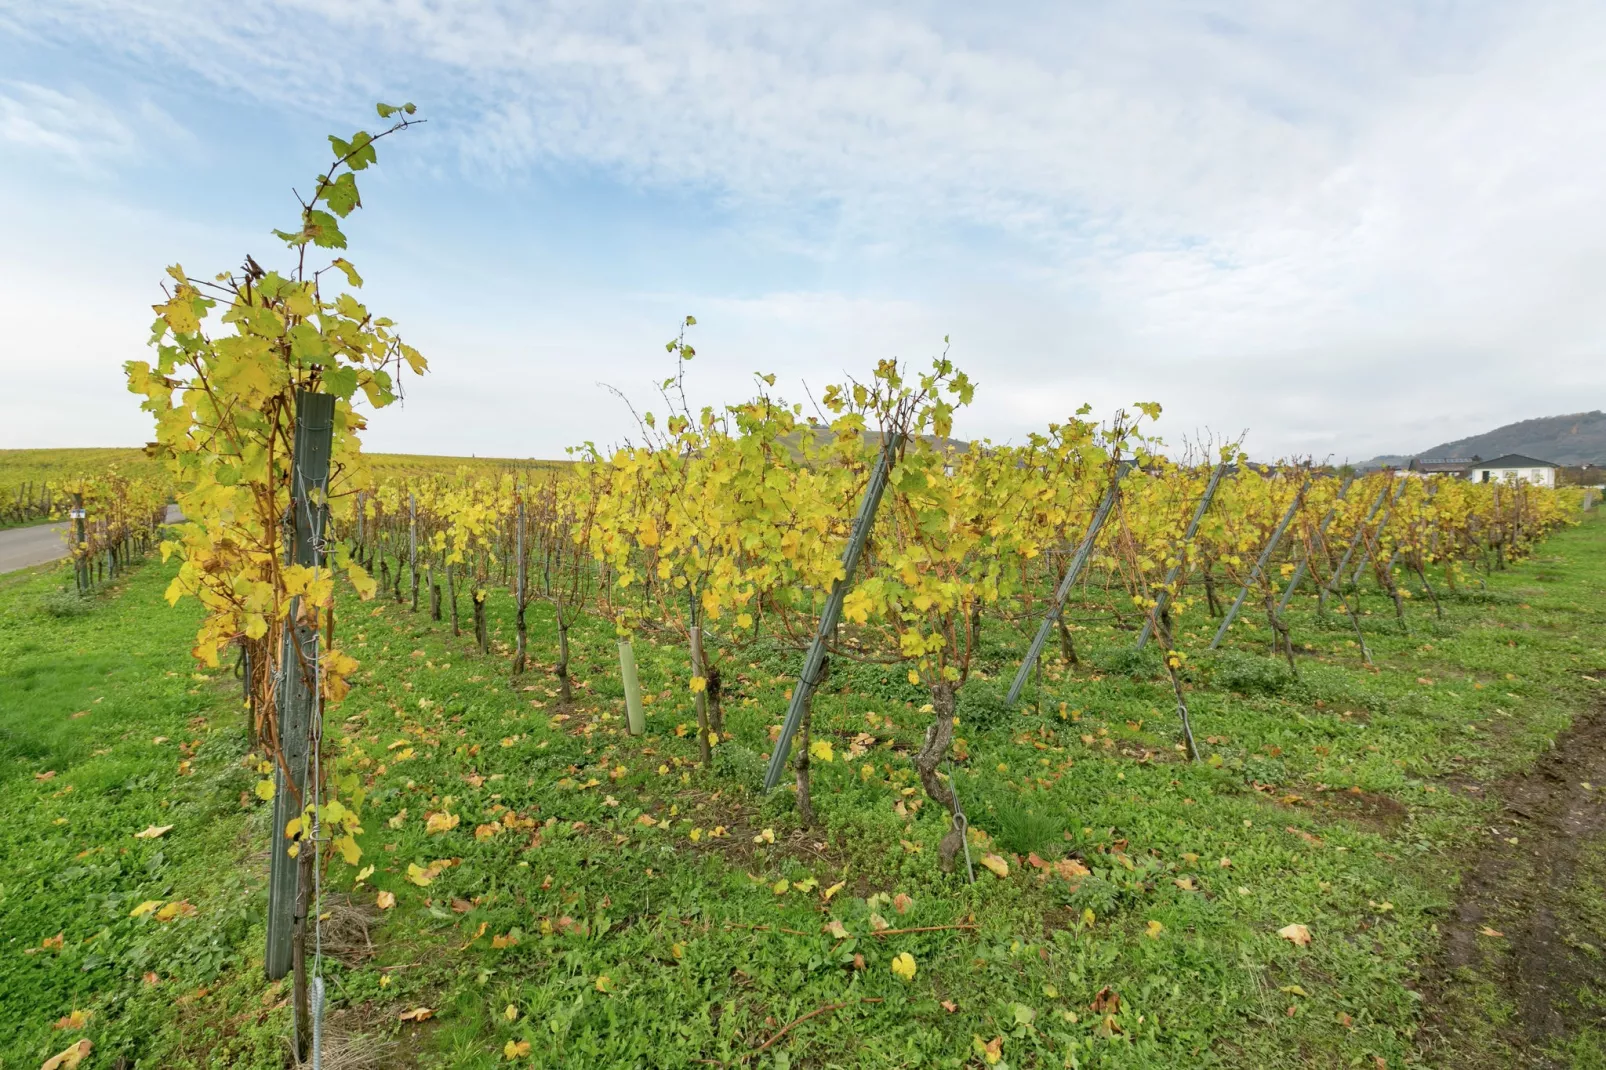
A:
[1517, 922]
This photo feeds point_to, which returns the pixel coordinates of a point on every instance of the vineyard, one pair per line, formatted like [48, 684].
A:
[780, 735]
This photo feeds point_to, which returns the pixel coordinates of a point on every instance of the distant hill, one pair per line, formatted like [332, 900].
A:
[1576, 438]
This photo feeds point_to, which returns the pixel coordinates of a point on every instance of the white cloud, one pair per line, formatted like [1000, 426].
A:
[1347, 226]
[77, 127]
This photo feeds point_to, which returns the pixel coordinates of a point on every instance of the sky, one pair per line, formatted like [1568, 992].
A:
[1340, 229]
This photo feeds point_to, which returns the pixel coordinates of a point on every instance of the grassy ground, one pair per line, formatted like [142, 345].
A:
[600, 901]
[105, 731]
[7, 525]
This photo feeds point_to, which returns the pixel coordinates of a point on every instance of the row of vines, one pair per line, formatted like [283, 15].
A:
[723, 528]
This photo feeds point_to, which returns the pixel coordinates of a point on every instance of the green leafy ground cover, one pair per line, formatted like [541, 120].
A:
[565, 895]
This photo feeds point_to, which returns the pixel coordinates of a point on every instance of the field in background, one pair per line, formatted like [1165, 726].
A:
[21, 466]
[404, 464]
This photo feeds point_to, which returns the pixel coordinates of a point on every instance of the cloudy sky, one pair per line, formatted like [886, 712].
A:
[1346, 228]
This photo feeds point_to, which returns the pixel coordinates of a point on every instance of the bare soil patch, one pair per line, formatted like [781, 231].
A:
[1512, 926]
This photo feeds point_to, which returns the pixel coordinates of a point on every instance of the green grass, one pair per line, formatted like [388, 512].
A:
[84, 698]
[1331, 797]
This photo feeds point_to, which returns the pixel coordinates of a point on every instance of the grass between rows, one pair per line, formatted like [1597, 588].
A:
[594, 899]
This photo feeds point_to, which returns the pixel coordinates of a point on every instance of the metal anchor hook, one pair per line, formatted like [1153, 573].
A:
[961, 823]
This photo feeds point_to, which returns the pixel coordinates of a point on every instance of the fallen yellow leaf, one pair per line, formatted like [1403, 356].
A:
[903, 965]
[996, 864]
[154, 832]
[69, 1058]
[180, 909]
[1295, 933]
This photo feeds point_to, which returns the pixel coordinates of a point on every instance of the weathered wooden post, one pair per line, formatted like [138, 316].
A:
[412, 544]
[705, 746]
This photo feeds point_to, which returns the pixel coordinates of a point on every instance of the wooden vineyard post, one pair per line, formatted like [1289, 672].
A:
[435, 586]
[1072, 570]
[297, 699]
[814, 660]
[1260, 563]
[412, 544]
[1304, 562]
[705, 747]
[451, 593]
[635, 717]
[1176, 570]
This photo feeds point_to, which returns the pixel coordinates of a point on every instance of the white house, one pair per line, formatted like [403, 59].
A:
[1513, 468]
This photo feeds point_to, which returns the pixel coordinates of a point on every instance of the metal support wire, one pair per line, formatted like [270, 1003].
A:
[316, 518]
[317, 992]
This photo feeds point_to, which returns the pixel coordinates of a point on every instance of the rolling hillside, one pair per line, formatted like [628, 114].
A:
[1576, 438]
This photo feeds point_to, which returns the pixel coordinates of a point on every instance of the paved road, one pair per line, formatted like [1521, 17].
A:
[22, 547]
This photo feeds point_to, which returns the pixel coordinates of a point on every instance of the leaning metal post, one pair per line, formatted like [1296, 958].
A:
[815, 658]
[1079, 562]
[1176, 570]
[1260, 563]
